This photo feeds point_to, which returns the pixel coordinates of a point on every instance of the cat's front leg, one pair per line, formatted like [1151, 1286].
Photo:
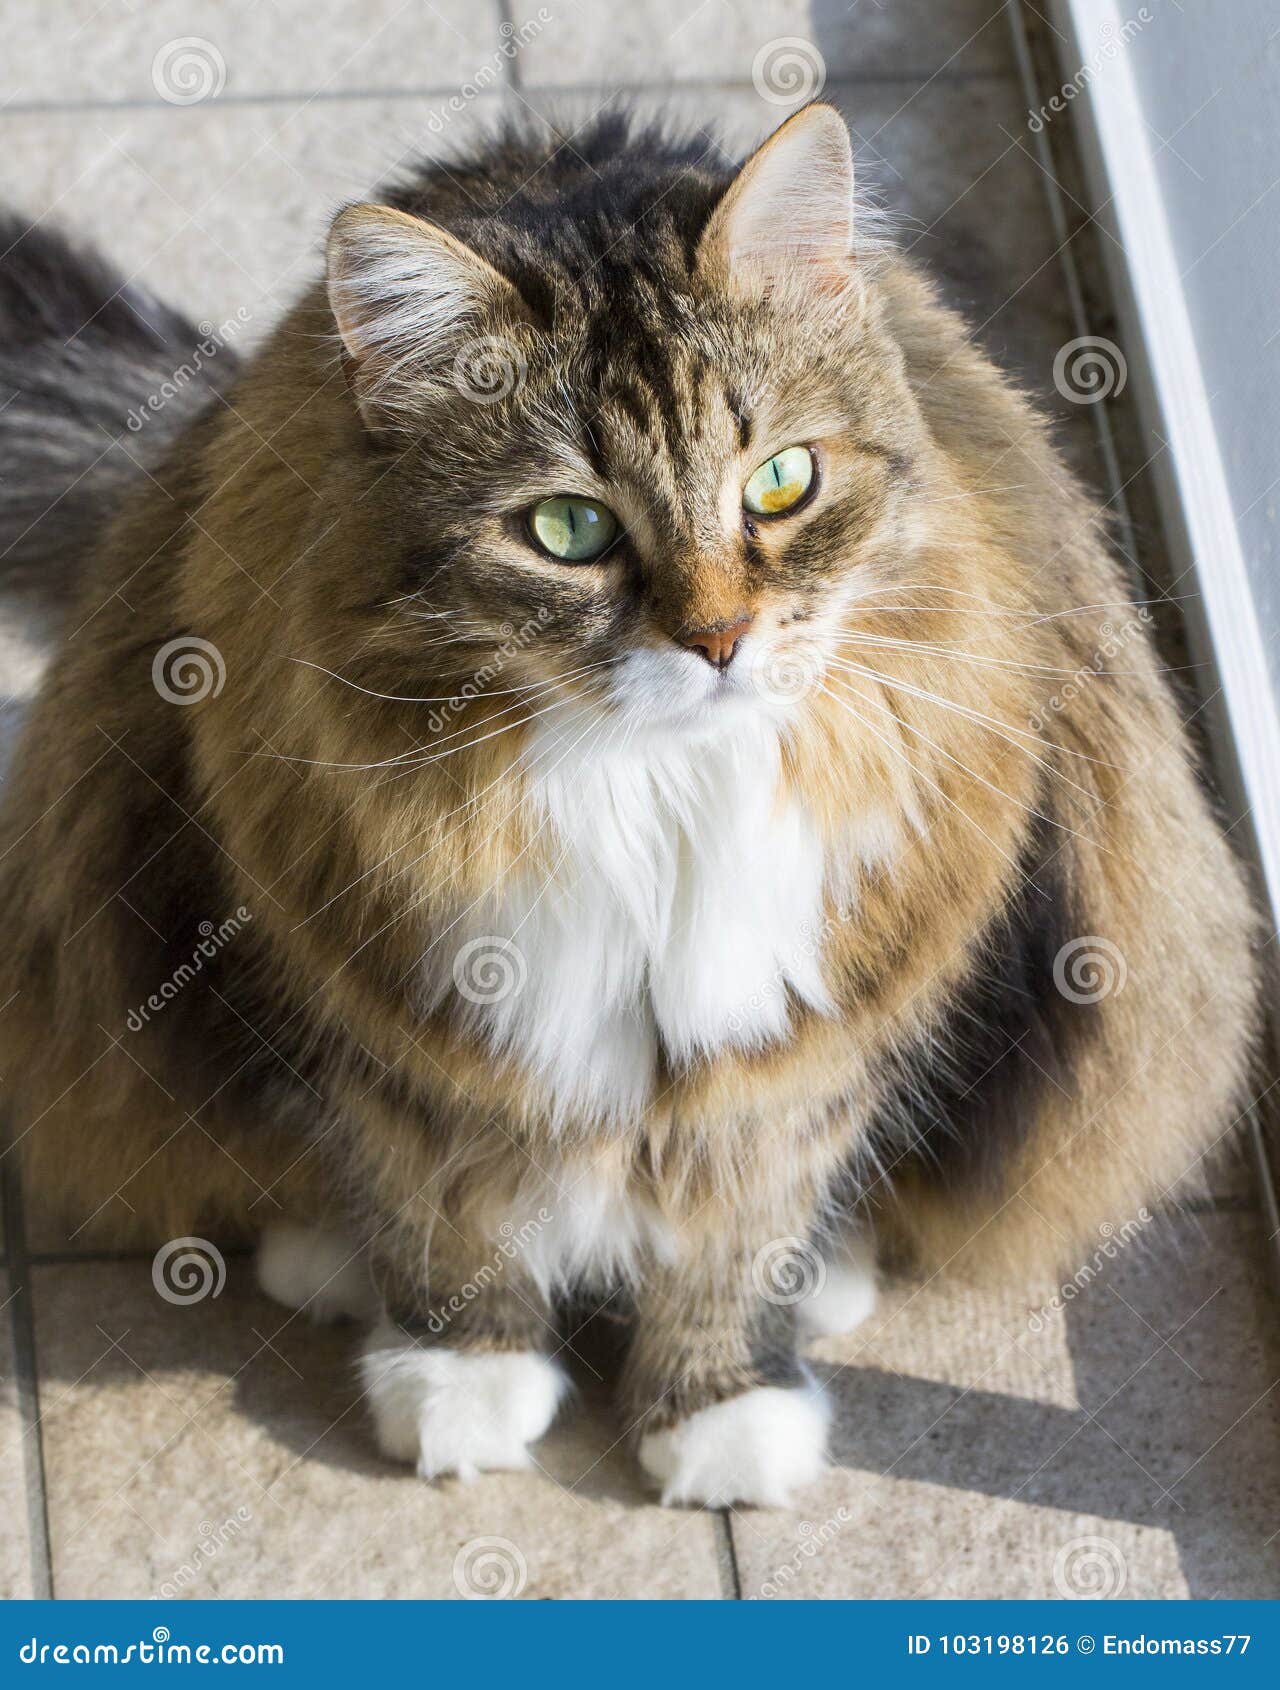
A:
[458, 1375]
[724, 1409]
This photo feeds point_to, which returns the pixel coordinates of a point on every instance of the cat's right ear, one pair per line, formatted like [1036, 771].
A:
[407, 297]
[786, 219]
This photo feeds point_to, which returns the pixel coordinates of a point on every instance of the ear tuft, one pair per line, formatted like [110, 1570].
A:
[788, 214]
[405, 295]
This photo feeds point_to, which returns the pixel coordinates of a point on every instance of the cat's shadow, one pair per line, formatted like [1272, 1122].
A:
[1136, 1426]
[1143, 1419]
[303, 1385]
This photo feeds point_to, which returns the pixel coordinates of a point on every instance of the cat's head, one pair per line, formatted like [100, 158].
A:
[636, 435]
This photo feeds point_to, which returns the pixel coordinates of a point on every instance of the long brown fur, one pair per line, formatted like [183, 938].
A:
[329, 527]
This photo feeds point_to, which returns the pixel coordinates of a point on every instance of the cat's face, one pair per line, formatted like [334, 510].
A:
[654, 498]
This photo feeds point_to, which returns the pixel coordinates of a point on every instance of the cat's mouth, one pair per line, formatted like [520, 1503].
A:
[672, 689]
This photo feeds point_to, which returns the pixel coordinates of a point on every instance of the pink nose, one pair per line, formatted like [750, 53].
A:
[719, 643]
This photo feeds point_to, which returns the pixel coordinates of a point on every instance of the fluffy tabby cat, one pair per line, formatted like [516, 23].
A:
[621, 844]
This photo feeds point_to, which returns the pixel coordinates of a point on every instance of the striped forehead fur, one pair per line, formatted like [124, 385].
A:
[613, 251]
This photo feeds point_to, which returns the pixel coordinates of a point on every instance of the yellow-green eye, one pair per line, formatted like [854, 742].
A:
[573, 529]
[779, 484]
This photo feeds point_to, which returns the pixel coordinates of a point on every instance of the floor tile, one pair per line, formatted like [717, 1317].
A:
[15, 1549]
[220, 210]
[781, 45]
[219, 1449]
[1123, 1442]
[178, 53]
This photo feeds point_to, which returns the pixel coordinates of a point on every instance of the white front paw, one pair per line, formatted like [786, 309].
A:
[756, 1448]
[451, 1411]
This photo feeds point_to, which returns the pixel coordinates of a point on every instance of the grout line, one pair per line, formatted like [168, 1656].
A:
[726, 1555]
[24, 1346]
[541, 91]
[267, 97]
[73, 1258]
[1064, 241]
[510, 66]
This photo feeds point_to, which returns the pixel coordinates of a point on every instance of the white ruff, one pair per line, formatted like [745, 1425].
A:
[685, 905]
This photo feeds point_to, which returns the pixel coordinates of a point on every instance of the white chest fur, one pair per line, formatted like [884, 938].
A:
[683, 906]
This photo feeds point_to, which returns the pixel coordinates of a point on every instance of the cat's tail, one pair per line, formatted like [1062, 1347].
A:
[96, 378]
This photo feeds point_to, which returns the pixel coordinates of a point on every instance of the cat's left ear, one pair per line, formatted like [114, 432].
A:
[787, 217]
[407, 298]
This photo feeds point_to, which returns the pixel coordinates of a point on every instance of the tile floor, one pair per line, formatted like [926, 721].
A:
[986, 1445]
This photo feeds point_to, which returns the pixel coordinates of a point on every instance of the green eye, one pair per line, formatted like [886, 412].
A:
[781, 483]
[576, 530]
